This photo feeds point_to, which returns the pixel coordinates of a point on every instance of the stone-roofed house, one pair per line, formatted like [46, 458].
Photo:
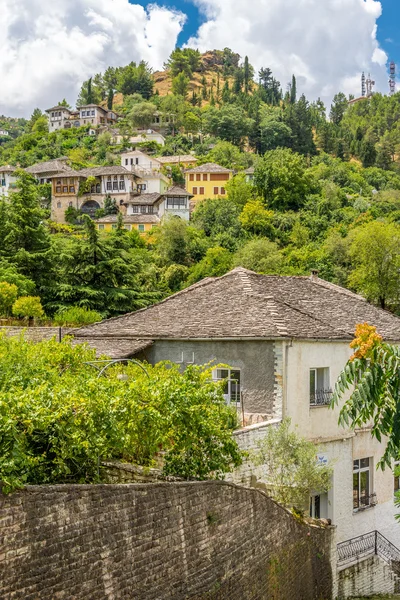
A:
[113, 181]
[207, 181]
[279, 343]
[143, 223]
[186, 161]
[43, 171]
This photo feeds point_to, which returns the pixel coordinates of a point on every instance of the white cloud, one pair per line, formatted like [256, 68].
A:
[325, 43]
[48, 47]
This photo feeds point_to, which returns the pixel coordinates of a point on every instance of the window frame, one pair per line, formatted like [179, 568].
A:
[358, 471]
[233, 386]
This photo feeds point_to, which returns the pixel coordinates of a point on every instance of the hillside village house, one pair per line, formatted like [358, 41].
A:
[186, 161]
[285, 341]
[148, 170]
[44, 171]
[145, 211]
[67, 190]
[207, 181]
[141, 136]
[62, 117]
[7, 180]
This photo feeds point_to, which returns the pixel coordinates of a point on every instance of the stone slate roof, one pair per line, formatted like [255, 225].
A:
[50, 166]
[7, 169]
[243, 304]
[177, 191]
[250, 171]
[93, 172]
[148, 199]
[166, 160]
[139, 218]
[209, 168]
[59, 107]
[115, 348]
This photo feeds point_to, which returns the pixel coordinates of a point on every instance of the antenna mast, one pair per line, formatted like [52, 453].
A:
[392, 80]
[369, 85]
[363, 88]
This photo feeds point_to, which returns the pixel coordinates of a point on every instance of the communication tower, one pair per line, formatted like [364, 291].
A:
[363, 88]
[369, 84]
[392, 80]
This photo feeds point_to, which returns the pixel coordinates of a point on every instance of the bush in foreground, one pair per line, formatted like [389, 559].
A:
[58, 419]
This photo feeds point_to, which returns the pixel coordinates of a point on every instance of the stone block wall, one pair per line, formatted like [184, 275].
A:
[161, 541]
[367, 578]
[38, 334]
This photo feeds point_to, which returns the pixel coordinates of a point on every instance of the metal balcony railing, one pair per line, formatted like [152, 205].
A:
[321, 397]
[370, 544]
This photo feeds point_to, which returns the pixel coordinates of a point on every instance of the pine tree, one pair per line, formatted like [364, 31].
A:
[293, 90]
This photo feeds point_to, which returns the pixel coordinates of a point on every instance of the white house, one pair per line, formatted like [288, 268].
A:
[58, 117]
[285, 339]
[7, 180]
[148, 170]
[174, 202]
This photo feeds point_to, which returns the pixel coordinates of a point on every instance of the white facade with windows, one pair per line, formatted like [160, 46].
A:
[7, 180]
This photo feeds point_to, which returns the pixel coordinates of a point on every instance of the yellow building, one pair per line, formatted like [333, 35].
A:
[207, 181]
[143, 223]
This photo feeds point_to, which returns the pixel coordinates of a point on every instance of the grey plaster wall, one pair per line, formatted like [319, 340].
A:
[255, 359]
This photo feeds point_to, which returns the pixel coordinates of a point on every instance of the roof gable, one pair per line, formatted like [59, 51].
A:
[242, 304]
[209, 168]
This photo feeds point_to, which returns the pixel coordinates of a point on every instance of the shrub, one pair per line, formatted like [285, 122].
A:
[76, 316]
[8, 295]
[28, 307]
[58, 419]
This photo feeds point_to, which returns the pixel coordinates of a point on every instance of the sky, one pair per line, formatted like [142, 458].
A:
[48, 47]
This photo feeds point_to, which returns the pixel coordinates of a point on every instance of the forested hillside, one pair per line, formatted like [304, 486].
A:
[325, 194]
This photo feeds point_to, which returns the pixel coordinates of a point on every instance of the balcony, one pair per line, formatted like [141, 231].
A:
[321, 397]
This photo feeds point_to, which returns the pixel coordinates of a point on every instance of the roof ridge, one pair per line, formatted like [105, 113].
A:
[338, 288]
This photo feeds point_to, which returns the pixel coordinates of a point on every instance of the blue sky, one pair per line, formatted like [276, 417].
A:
[388, 35]
[388, 31]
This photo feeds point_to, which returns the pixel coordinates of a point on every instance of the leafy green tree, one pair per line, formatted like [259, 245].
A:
[142, 115]
[8, 295]
[371, 378]
[183, 62]
[9, 273]
[216, 262]
[338, 108]
[180, 85]
[136, 79]
[175, 275]
[282, 179]
[299, 118]
[239, 190]
[293, 472]
[375, 254]
[260, 255]
[219, 219]
[27, 243]
[293, 90]
[29, 307]
[274, 134]
[229, 123]
[257, 220]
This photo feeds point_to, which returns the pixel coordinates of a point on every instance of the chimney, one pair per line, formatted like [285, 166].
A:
[314, 275]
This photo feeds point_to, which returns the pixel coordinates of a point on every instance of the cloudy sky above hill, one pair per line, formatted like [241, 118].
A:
[48, 47]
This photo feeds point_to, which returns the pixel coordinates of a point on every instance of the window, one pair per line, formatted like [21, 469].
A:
[115, 183]
[65, 189]
[143, 209]
[126, 161]
[141, 228]
[128, 227]
[121, 183]
[69, 203]
[198, 177]
[98, 188]
[136, 161]
[141, 187]
[114, 226]
[150, 210]
[205, 177]
[131, 161]
[101, 226]
[215, 191]
[320, 392]
[93, 113]
[232, 384]
[201, 191]
[319, 506]
[222, 191]
[72, 189]
[58, 189]
[362, 496]
[135, 209]
[176, 203]
[58, 204]
[109, 183]
[191, 177]
[195, 191]
[396, 469]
